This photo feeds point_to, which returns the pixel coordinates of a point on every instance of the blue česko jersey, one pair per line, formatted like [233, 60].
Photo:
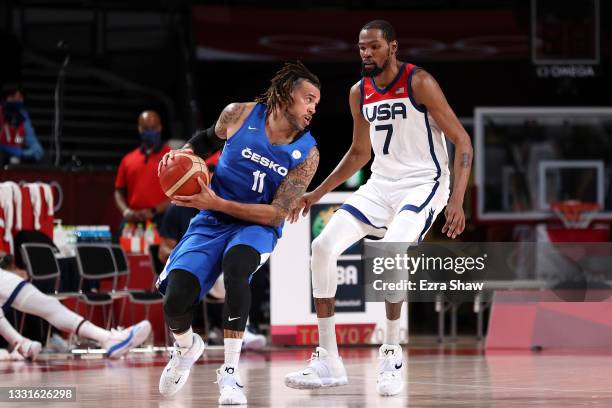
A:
[250, 169]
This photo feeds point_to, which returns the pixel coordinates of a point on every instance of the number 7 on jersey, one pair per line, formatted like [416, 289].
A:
[389, 128]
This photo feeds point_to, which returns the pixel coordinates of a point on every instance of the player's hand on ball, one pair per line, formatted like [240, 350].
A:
[455, 220]
[205, 199]
[170, 155]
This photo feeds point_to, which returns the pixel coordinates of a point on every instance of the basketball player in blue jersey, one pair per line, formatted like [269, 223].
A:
[266, 165]
[400, 112]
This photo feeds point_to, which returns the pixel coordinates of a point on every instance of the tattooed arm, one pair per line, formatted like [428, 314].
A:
[427, 92]
[231, 119]
[287, 195]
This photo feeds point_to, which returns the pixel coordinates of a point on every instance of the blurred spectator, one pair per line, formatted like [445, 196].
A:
[18, 142]
[138, 194]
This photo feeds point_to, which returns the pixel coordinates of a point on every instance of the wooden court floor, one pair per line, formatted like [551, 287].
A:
[436, 377]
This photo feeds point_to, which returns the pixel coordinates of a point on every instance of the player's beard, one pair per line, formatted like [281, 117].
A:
[374, 72]
[293, 120]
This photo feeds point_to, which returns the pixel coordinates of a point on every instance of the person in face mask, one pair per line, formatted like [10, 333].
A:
[138, 195]
[18, 141]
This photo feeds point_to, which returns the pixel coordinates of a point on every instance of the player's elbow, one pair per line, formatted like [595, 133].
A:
[464, 143]
[467, 148]
[366, 156]
[361, 156]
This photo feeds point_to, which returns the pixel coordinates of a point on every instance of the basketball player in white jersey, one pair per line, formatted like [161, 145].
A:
[19, 294]
[400, 112]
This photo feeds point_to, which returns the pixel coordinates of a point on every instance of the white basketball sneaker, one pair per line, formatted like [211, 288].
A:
[121, 341]
[323, 370]
[230, 386]
[390, 381]
[177, 370]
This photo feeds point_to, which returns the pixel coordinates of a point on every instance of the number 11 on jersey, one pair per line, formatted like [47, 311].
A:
[258, 181]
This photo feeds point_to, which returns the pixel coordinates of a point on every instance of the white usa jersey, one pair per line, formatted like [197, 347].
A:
[407, 142]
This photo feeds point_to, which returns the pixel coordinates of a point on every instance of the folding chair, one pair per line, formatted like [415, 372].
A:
[146, 297]
[95, 262]
[41, 265]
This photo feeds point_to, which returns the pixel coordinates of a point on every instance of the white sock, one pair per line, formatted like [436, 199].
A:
[232, 351]
[88, 330]
[327, 335]
[7, 331]
[184, 340]
[392, 335]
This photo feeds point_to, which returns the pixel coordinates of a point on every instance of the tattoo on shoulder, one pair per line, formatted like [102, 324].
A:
[295, 185]
[228, 116]
[466, 160]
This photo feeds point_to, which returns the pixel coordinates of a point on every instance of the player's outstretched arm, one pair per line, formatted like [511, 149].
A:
[427, 92]
[357, 156]
[205, 142]
[287, 195]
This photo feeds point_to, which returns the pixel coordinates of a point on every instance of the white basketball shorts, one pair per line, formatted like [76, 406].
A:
[399, 210]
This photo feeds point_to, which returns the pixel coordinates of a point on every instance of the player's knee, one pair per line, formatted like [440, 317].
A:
[182, 292]
[49, 306]
[238, 264]
[174, 305]
[322, 249]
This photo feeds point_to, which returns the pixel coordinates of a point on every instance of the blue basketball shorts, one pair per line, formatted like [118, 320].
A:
[207, 240]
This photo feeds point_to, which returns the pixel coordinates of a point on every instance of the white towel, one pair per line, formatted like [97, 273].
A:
[6, 202]
[17, 199]
[48, 197]
[36, 200]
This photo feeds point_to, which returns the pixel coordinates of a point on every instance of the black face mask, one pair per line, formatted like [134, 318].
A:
[12, 113]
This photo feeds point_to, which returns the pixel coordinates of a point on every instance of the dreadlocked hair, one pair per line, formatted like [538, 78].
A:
[283, 83]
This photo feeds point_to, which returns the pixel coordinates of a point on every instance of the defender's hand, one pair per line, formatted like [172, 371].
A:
[303, 204]
[455, 220]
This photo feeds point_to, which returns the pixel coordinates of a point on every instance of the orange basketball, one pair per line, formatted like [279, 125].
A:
[180, 175]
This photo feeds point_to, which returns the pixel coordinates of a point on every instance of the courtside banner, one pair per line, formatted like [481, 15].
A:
[264, 34]
[462, 271]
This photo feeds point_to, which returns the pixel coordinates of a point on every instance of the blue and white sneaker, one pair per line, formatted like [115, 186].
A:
[121, 341]
[230, 387]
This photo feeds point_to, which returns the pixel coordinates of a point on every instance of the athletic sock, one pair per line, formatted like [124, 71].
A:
[327, 335]
[232, 349]
[184, 340]
[392, 335]
[90, 331]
